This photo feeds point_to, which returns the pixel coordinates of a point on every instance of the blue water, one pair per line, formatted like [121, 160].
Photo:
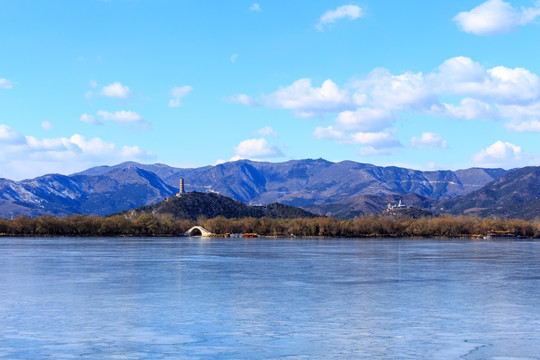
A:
[189, 298]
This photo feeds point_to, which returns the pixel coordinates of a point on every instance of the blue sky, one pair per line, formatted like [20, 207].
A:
[424, 85]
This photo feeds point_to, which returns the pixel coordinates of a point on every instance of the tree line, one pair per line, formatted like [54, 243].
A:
[164, 225]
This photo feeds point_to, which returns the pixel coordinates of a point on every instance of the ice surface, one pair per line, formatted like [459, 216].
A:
[188, 298]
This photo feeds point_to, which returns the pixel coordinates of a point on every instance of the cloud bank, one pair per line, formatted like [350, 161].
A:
[366, 108]
[24, 156]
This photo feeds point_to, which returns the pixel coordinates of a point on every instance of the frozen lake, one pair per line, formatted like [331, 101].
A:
[190, 298]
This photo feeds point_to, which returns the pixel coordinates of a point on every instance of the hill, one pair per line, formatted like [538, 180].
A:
[195, 204]
[514, 195]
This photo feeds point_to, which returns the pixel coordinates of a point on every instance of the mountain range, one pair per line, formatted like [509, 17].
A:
[311, 182]
[344, 189]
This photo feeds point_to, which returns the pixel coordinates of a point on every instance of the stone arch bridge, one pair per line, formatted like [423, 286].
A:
[194, 231]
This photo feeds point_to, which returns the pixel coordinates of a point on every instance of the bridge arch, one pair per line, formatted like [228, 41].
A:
[198, 229]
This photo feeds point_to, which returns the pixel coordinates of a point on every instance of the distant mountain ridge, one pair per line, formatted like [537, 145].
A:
[517, 194]
[514, 195]
[308, 182]
[305, 183]
[60, 195]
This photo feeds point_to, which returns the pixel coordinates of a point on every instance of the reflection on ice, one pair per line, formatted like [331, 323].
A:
[268, 299]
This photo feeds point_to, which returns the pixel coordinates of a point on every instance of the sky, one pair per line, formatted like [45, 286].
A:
[417, 84]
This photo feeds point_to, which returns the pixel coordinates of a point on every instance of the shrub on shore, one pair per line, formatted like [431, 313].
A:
[166, 225]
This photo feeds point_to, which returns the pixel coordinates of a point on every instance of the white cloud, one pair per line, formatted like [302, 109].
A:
[116, 90]
[527, 126]
[255, 7]
[495, 17]
[122, 117]
[462, 76]
[244, 100]
[93, 146]
[256, 149]
[523, 118]
[379, 140]
[468, 109]
[46, 125]
[28, 156]
[179, 92]
[380, 89]
[500, 154]
[89, 119]
[351, 12]
[234, 57]
[385, 90]
[511, 85]
[330, 133]
[364, 119]
[53, 144]
[6, 84]
[266, 131]
[460, 70]
[9, 136]
[306, 100]
[372, 143]
[428, 140]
